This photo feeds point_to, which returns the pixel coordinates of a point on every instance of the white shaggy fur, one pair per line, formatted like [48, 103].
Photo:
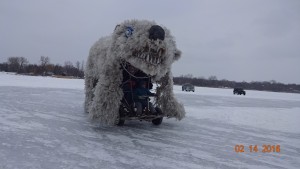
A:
[103, 75]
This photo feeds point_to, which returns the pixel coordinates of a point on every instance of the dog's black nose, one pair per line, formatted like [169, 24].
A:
[156, 32]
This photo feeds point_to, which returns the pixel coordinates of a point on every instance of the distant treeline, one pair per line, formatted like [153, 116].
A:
[214, 82]
[21, 65]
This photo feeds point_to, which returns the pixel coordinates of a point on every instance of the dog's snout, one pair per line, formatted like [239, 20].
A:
[156, 32]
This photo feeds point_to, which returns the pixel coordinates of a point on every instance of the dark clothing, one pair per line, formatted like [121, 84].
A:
[140, 92]
[131, 78]
[142, 101]
[133, 89]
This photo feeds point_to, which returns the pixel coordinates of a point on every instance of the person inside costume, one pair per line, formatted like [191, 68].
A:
[141, 98]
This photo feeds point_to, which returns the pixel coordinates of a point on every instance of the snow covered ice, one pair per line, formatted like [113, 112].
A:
[42, 125]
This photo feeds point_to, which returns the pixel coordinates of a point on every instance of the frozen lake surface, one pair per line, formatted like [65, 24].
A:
[42, 125]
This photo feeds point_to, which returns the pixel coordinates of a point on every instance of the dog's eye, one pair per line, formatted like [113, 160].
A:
[128, 31]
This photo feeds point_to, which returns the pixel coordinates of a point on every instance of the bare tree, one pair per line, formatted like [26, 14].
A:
[44, 62]
[69, 68]
[82, 66]
[78, 65]
[23, 62]
[13, 64]
[212, 78]
[16, 64]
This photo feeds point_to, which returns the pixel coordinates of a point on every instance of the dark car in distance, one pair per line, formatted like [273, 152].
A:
[239, 91]
[188, 87]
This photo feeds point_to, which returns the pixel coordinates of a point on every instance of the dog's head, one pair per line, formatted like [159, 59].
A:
[145, 45]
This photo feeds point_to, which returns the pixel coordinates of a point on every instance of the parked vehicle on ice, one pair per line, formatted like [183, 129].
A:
[188, 87]
[239, 91]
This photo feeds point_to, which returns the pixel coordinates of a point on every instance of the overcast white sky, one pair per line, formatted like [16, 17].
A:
[250, 40]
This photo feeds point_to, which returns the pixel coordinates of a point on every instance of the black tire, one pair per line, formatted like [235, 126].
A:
[159, 120]
[120, 122]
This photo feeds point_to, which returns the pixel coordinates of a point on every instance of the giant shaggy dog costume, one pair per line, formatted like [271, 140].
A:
[144, 45]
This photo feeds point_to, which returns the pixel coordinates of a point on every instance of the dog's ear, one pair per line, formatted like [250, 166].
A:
[118, 30]
[177, 54]
[117, 26]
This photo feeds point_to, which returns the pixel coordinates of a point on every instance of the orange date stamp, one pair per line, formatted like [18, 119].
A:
[265, 148]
